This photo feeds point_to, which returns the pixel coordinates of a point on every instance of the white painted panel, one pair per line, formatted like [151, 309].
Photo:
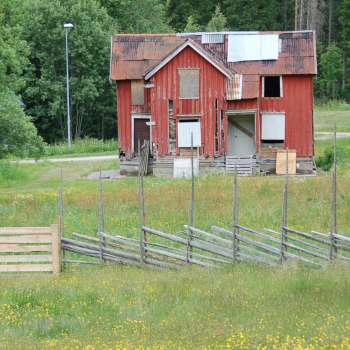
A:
[185, 129]
[273, 126]
[212, 38]
[269, 47]
[182, 167]
[252, 47]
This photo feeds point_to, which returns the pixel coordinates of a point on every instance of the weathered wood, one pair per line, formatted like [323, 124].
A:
[25, 230]
[14, 248]
[37, 238]
[306, 251]
[74, 261]
[215, 239]
[258, 234]
[25, 258]
[333, 231]
[26, 268]
[56, 249]
[286, 159]
[307, 235]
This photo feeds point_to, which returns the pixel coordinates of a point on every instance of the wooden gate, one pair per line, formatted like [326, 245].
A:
[30, 249]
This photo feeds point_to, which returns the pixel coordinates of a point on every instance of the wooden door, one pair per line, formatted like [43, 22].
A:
[141, 132]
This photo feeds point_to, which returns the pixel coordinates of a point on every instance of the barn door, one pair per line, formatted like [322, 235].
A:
[241, 135]
[141, 132]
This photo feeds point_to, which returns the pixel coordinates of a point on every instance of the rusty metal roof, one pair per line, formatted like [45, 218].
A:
[135, 54]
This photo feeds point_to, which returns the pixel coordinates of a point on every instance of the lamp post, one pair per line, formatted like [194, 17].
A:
[67, 26]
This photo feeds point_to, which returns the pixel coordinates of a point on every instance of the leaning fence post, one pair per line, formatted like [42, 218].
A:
[101, 218]
[142, 208]
[235, 241]
[284, 236]
[333, 248]
[192, 213]
[61, 214]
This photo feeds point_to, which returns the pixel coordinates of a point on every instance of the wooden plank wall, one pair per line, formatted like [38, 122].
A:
[30, 249]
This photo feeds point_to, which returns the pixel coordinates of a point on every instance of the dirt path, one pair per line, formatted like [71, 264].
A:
[325, 135]
[67, 159]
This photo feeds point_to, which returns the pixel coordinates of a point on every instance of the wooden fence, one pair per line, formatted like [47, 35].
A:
[217, 248]
[220, 246]
[30, 249]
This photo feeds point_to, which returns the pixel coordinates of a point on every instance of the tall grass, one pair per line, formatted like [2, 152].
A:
[246, 307]
[81, 146]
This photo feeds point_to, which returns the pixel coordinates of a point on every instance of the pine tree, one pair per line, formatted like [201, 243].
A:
[218, 21]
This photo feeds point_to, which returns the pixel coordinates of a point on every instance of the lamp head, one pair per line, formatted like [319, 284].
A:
[68, 25]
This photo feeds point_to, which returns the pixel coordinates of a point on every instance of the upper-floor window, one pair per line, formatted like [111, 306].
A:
[189, 83]
[137, 92]
[272, 86]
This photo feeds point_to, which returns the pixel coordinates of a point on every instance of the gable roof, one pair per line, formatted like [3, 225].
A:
[196, 47]
[135, 56]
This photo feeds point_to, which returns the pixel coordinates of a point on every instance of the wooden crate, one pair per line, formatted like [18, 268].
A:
[30, 249]
[281, 160]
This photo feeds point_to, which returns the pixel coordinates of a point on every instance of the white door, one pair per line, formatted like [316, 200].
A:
[241, 135]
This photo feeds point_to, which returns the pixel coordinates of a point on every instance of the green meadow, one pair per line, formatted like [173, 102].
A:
[114, 307]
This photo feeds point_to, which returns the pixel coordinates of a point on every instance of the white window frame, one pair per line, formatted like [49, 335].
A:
[268, 135]
[195, 144]
[199, 82]
[263, 86]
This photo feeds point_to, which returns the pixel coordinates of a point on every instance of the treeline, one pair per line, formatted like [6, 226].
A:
[32, 53]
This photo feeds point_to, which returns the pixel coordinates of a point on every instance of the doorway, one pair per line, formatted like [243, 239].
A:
[241, 135]
[141, 132]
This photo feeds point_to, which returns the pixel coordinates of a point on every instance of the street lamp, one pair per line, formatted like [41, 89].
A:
[67, 26]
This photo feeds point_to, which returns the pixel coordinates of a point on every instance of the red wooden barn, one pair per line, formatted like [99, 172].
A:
[237, 97]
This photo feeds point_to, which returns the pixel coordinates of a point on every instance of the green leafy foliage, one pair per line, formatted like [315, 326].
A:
[89, 42]
[192, 25]
[331, 68]
[18, 135]
[218, 21]
[325, 161]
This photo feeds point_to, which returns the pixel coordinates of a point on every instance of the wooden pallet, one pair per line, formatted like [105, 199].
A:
[244, 165]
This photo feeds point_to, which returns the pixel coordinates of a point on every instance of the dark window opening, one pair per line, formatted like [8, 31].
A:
[272, 86]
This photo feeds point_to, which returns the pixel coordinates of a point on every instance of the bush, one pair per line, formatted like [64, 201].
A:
[18, 135]
[325, 161]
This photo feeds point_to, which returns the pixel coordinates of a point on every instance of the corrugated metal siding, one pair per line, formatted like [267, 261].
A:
[166, 81]
[297, 104]
[124, 115]
[299, 114]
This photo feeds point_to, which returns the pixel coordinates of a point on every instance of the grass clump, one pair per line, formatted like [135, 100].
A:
[325, 161]
[10, 173]
[82, 146]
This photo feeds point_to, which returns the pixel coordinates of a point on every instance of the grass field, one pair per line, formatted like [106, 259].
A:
[127, 308]
[326, 116]
[247, 307]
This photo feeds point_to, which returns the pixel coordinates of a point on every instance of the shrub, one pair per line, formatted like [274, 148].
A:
[18, 135]
[325, 161]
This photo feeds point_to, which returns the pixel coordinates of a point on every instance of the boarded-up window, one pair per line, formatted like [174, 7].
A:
[185, 130]
[137, 92]
[273, 126]
[189, 83]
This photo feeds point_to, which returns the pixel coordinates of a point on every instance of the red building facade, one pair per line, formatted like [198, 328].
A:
[191, 89]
